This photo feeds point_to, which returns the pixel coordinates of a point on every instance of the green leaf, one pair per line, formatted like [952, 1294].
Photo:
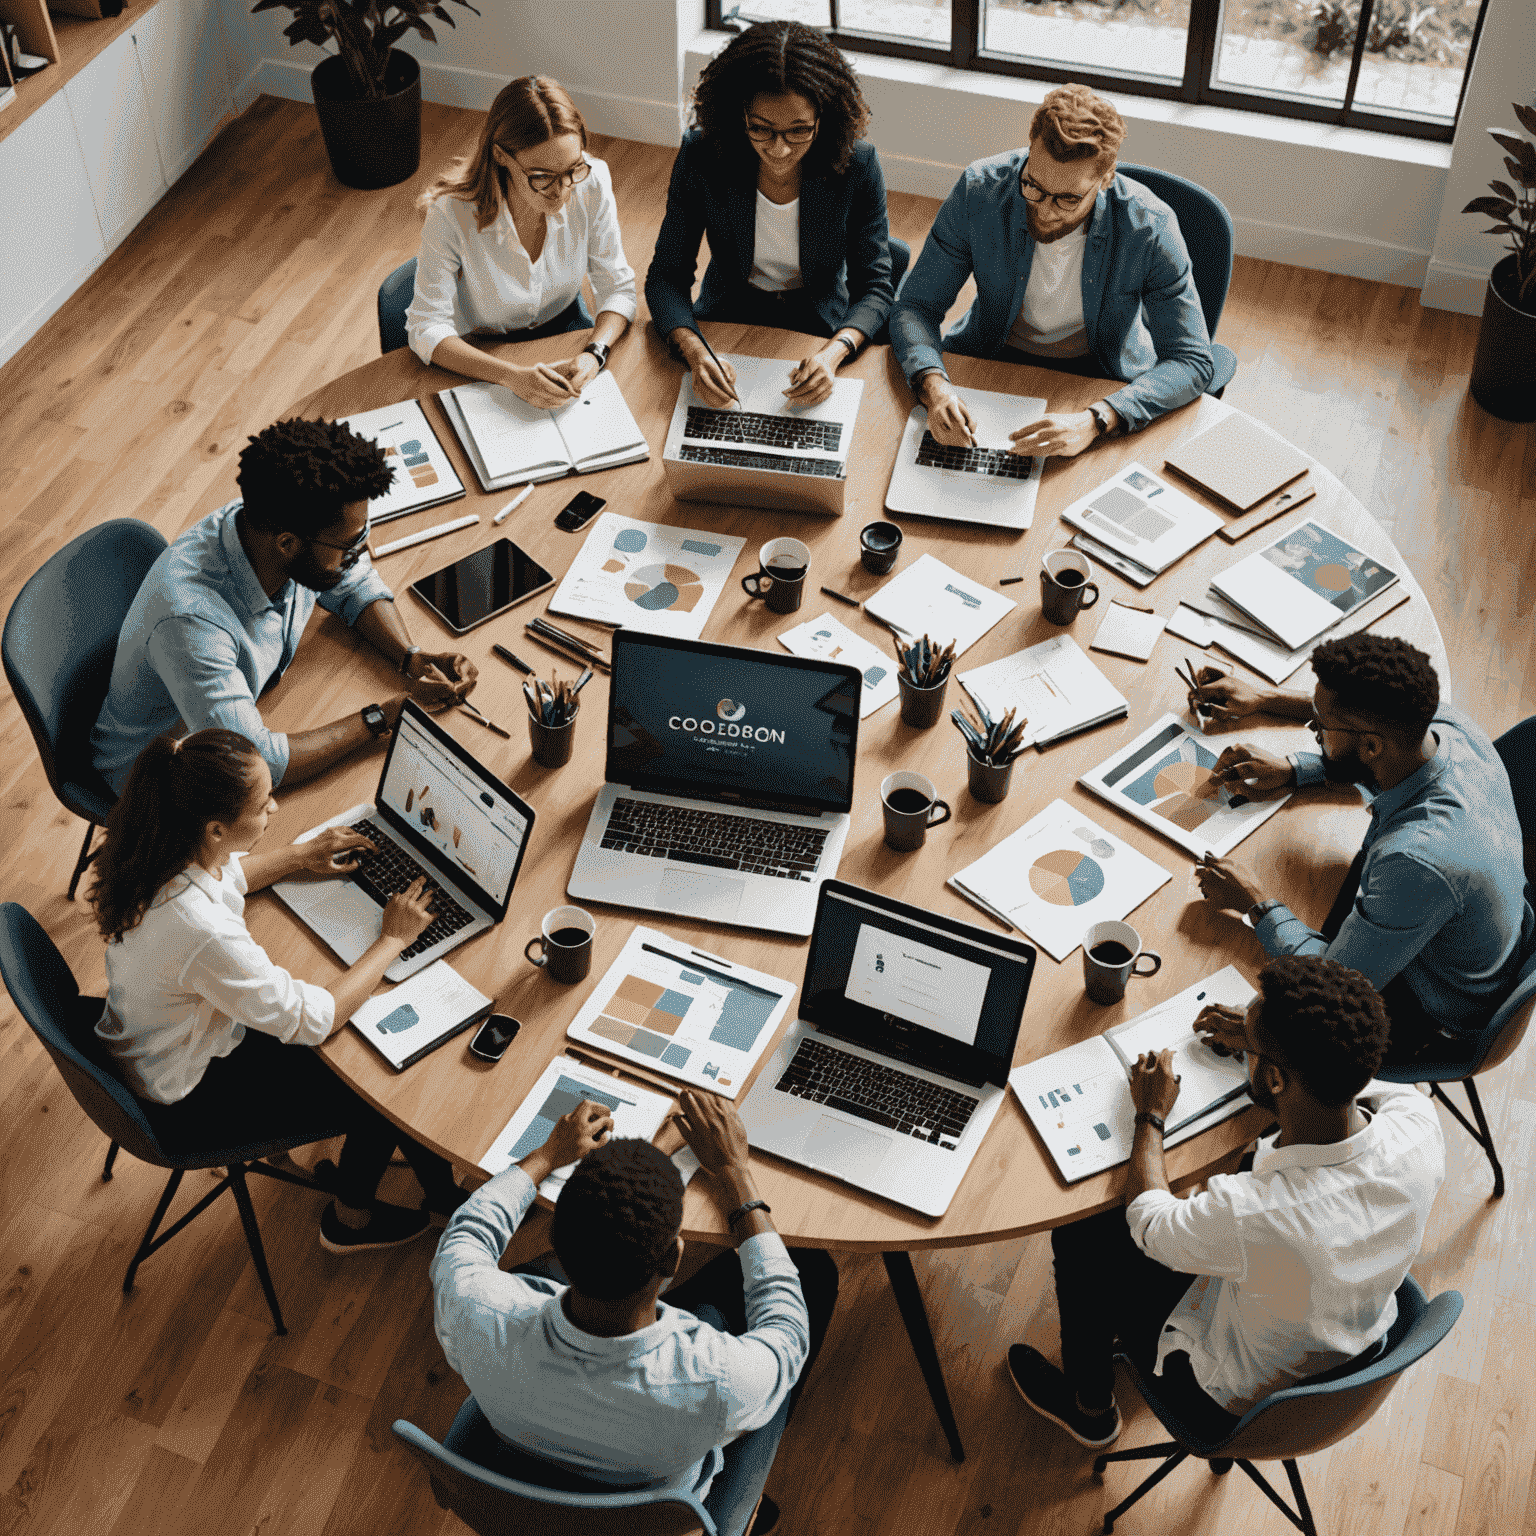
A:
[307, 29]
[1527, 116]
[424, 29]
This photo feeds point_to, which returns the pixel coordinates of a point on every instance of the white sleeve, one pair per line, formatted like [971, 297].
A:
[613, 279]
[236, 975]
[429, 319]
[1197, 1236]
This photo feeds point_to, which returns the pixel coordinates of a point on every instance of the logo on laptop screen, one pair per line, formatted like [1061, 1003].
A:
[729, 709]
[729, 714]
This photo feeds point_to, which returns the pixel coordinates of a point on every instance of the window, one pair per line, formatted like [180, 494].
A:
[1397, 66]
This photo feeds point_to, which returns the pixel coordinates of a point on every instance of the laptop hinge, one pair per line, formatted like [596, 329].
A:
[735, 802]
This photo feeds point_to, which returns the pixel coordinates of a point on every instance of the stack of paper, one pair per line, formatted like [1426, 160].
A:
[1053, 685]
[830, 640]
[930, 599]
[1143, 519]
[424, 475]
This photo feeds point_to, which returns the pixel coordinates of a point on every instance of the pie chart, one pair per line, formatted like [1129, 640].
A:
[1332, 578]
[1065, 878]
[658, 587]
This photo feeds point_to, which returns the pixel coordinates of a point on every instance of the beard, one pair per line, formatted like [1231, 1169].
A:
[1051, 236]
[308, 572]
[1346, 768]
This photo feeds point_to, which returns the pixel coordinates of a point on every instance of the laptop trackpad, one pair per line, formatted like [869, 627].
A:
[852, 1153]
[698, 895]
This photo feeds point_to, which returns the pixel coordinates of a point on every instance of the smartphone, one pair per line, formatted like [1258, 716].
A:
[494, 1036]
[583, 507]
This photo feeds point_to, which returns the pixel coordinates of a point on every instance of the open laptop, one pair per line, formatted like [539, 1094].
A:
[438, 813]
[767, 452]
[985, 484]
[729, 781]
[899, 1060]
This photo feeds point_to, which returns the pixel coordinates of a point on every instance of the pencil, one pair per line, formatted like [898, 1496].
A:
[1136, 607]
[718, 364]
[852, 602]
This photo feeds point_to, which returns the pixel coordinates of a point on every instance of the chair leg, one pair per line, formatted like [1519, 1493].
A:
[909, 1299]
[253, 1241]
[1146, 1487]
[1302, 1521]
[1480, 1133]
[1221, 1465]
[147, 1246]
[1299, 1493]
[106, 1172]
[84, 861]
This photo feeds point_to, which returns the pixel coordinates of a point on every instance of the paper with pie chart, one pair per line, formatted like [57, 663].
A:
[647, 576]
[1163, 779]
[1059, 874]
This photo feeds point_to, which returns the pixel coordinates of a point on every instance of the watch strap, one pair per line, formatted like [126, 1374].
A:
[599, 351]
[405, 661]
[850, 344]
[375, 719]
[1100, 416]
[746, 1210]
[1146, 1117]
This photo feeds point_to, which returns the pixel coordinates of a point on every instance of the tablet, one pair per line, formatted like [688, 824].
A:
[481, 585]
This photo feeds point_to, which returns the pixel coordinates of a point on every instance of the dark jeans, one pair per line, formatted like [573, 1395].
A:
[266, 1091]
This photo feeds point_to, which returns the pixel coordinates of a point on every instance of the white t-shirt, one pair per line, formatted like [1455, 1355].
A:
[1050, 320]
[776, 246]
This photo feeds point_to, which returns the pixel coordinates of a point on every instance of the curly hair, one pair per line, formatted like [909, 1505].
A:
[773, 58]
[1074, 123]
[616, 1221]
[1381, 678]
[1324, 1022]
[298, 475]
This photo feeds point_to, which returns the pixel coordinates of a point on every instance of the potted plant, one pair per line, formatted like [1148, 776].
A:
[367, 93]
[1504, 369]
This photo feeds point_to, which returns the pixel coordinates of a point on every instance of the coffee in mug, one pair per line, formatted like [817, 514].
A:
[780, 577]
[911, 805]
[565, 944]
[878, 546]
[1112, 954]
[1064, 585]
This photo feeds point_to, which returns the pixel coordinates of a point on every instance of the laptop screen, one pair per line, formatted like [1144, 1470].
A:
[468, 820]
[939, 993]
[724, 723]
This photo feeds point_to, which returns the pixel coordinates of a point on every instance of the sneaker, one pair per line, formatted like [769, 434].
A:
[1050, 1394]
[767, 1517]
[388, 1227]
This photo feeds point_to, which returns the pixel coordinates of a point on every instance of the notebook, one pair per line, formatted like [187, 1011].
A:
[424, 476]
[1054, 685]
[1125, 631]
[1139, 515]
[928, 598]
[510, 442]
[413, 1019]
[1238, 462]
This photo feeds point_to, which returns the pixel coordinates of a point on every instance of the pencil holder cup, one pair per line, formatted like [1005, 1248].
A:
[921, 707]
[988, 781]
[552, 744]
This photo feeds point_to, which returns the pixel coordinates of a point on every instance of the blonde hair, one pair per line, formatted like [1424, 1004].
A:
[528, 112]
[1074, 123]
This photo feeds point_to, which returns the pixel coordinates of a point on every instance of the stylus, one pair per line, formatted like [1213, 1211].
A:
[424, 535]
[514, 504]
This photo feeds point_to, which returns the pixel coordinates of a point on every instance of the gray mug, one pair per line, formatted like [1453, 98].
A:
[915, 803]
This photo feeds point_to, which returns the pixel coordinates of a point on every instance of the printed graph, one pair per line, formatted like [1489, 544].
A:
[563, 1098]
[1066, 878]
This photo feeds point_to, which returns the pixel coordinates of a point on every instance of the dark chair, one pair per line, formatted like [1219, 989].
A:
[1517, 748]
[394, 299]
[58, 647]
[1210, 237]
[1299, 1420]
[48, 998]
[901, 259]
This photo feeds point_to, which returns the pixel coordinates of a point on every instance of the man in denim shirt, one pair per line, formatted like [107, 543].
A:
[1076, 269]
[221, 612]
[1433, 911]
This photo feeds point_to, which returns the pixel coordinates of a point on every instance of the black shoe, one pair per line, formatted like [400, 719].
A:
[1050, 1394]
[324, 1175]
[767, 1517]
[388, 1227]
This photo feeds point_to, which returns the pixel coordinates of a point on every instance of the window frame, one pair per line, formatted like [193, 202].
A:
[965, 52]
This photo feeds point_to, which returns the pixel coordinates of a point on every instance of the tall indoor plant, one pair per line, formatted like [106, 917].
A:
[1504, 369]
[367, 93]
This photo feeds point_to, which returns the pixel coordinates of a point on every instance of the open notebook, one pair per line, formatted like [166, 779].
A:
[510, 442]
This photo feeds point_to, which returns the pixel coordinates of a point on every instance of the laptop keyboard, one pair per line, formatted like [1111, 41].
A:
[974, 461]
[721, 842]
[911, 1105]
[735, 458]
[380, 875]
[771, 431]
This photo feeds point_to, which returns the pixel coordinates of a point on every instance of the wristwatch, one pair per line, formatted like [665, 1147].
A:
[1146, 1117]
[599, 351]
[746, 1210]
[851, 344]
[1261, 909]
[405, 661]
[374, 719]
[1100, 413]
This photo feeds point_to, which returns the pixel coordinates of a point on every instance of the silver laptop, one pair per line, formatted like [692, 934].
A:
[899, 1060]
[767, 452]
[985, 484]
[438, 813]
[729, 781]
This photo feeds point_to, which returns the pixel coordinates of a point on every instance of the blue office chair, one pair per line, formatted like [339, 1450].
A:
[394, 299]
[58, 647]
[48, 998]
[1517, 748]
[1209, 234]
[1299, 1420]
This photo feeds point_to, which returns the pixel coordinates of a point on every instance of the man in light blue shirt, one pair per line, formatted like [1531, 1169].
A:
[221, 612]
[599, 1377]
[1434, 911]
[1076, 269]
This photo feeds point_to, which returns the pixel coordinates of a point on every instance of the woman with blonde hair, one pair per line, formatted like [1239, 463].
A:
[510, 232]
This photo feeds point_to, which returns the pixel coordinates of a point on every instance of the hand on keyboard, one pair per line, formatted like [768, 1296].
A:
[333, 852]
[1062, 435]
[408, 913]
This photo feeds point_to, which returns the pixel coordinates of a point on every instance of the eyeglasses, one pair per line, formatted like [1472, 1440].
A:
[1318, 729]
[801, 133]
[350, 553]
[543, 181]
[1034, 193]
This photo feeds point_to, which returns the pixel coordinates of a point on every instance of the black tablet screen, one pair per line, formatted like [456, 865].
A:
[481, 585]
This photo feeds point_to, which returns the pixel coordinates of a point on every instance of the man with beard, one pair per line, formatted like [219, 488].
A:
[1296, 1258]
[221, 612]
[1433, 911]
[1077, 269]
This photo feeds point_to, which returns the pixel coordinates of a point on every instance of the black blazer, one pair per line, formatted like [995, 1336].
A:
[845, 262]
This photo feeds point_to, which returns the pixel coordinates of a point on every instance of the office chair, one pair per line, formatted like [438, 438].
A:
[1209, 235]
[58, 647]
[1517, 748]
[1299, 1420]
[394, 299]
[48, 998]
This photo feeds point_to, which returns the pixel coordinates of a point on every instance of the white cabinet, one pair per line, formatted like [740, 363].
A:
[184, 63]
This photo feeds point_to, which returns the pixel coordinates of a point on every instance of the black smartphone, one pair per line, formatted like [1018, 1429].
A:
[494, 1036]
[580, 511]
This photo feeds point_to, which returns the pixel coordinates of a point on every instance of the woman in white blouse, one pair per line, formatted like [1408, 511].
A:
[200, 1021]
[510, 233]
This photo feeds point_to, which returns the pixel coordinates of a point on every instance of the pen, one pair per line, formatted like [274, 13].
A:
[539, 622]
[1226, 1098]
[515, 503]
[698, 954]
[718, 364]
[852, 602]
[566, 652]
[484, 720]
[1008, 581]
[424, 535]
[523, 667]
[1120, 602]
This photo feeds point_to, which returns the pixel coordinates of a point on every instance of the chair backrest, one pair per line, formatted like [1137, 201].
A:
[47, 996]
[1207, 229]
[492, 1504]
[59, 643]
[1507, 1028]
[394, 299]
[1517, 748]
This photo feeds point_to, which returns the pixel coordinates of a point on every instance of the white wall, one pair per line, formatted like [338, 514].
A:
[1504, 71]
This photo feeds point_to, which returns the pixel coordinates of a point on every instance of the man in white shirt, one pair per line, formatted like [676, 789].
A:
[601, 1378]
[1297, 1260]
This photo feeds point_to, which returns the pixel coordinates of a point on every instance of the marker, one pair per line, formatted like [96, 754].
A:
[515, 661]
[514, 504]
[424, 535]
[852, 602]
[1008, 581]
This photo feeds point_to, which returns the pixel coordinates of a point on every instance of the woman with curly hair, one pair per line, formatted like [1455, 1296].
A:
[511, 231]
[793, 202]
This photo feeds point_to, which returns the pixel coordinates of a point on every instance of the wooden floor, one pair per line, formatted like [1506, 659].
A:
[176, 1411]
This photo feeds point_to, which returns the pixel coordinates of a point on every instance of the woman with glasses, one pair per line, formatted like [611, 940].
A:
[510, 232]
[793, 202]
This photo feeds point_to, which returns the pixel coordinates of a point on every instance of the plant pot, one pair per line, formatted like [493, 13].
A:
[1503, 378]
[988, 781]
[371, 142]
